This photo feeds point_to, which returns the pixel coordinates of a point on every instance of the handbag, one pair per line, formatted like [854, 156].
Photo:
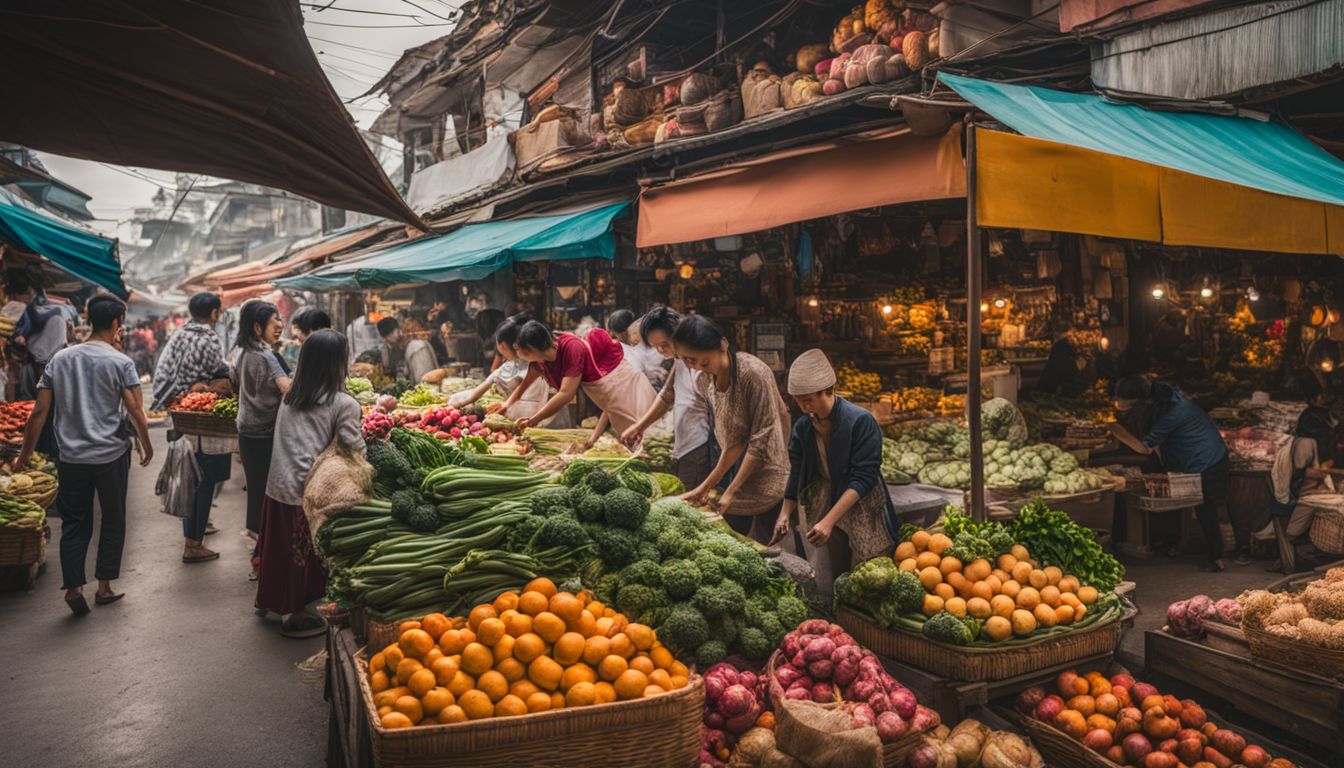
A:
[178, 479]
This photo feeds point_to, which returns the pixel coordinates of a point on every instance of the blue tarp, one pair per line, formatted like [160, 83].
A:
[82, 254]
[1264, 155]
[474, 251]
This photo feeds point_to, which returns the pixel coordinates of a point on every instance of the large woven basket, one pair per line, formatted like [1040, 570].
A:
[1327, 531]
[974, 664]
[1294, 654]
[662, 730]
[203, 424]
[23, 546]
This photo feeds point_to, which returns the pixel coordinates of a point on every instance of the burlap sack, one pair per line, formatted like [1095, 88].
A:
[338, 481]
[824, 736]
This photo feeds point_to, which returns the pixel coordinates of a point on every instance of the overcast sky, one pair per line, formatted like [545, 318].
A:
[356, 41]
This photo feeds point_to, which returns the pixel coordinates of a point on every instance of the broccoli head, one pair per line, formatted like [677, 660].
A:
[710, 566]
[648, 550]
[577, 471]
[709, 653]
[719, 599]
[389, 462]
[617, 548]
[684, 630]
[906, 593]
[590, 507]
[638, 481]
[791, 611]
[416, 479]
[754, 644]
[607, 587]
[624, 508]
[644, 572]
[842, 592]
[578, 493]
[680, 578]
[947, 628]
[746, 566]
[404, 503]
[634, 600]
[547, 498]
[873, 578]
[601, 481]
[676, 541]
[561, 531]
[521, 534]
[674, 506]
[773, 628]
[424, 519]
[725, 628]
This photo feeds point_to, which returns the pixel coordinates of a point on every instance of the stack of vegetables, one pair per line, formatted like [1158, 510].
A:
[196, 401]
[225, 408]
[1186, 618]
[1314, 616]
[16, 512]
[859, 385]
[13, 419]
[972, 744]
[37, 484]
[521, 653]
[977, 584]
[1132, 723]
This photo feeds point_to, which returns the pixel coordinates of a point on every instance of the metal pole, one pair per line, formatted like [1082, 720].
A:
[973, 293]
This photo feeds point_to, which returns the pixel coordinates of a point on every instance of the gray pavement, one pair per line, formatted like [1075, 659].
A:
[179, 673]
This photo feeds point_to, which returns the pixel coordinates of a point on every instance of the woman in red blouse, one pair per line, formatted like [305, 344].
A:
[596, 363]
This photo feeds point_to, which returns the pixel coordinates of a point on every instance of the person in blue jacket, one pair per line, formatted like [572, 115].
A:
[835, 476]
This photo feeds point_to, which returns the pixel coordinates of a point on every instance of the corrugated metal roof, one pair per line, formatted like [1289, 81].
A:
[1224, 52]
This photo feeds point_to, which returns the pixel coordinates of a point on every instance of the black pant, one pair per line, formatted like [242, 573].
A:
[256, 455]
[215, 469]
[74, 500]
[1214, 483]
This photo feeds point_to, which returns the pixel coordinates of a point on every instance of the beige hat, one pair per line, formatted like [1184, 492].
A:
[810, 373]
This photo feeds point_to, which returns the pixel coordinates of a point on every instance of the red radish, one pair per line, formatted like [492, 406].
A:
[1136, 747]
[903, 702]
[864, 715]
[890, 726]
[1122, 681]
[1049, 709]
[1254, 757]
[1098, 740]
[823, 692]
[1028, 699]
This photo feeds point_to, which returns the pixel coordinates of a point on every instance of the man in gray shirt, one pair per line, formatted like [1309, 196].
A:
[94, 387]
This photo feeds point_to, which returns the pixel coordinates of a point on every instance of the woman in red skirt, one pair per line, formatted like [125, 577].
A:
[315, 411]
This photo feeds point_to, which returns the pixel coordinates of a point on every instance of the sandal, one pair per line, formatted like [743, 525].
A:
[108, 599]
[308, 626]
[78, 605]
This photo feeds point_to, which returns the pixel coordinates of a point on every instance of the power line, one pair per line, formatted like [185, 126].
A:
[136, 175]
[431, 13]
[379, 72]
[354, 47]
[360, 10]
[379, 26]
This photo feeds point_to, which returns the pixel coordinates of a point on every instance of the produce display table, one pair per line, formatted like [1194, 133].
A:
[921, 504]
[348, 744]
[1140, 510]
[1308, 707]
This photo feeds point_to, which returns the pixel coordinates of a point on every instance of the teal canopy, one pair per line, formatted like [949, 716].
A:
[1260, 154]
[82, 254]
[474, 251]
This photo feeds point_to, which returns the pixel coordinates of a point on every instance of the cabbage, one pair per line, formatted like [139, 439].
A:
[1003, 421]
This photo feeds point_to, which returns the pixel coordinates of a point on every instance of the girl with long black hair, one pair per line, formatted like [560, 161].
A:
[260, 379]
[508, 376]
[314, 412]
[750, 421]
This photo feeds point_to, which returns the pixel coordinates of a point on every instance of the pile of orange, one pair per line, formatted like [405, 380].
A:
[530, 652]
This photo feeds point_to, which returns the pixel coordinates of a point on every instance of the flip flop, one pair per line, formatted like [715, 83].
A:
[312, 626]
[108, 599]
[78, 604]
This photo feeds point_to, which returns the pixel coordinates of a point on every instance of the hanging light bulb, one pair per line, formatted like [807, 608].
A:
[1253, 293]
[886, 309]
[1206, 292]
[686, 271]
[1000, 303]
[984, 306]
[1158, 293]
[1105, 343]
[812, 301]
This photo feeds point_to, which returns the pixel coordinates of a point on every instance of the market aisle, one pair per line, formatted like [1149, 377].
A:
[180, 672]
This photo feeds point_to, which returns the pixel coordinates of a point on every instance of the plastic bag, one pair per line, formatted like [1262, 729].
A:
[178, 479]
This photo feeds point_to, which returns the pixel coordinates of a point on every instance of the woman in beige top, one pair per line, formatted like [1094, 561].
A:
[750, 422]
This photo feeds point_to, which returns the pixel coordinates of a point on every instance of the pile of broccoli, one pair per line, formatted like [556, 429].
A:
[410, 508]
[879, 588]
[948, 628]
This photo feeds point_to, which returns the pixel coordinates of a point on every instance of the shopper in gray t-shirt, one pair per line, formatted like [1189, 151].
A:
[260, 380]
[93, 386]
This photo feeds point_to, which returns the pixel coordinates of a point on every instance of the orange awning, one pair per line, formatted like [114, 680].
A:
[821, 180]
[245, 275]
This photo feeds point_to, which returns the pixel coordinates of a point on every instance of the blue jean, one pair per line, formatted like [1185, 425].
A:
[215, 468]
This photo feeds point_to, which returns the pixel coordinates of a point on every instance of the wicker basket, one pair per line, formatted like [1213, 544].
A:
[23, 546]
[982, 664]
[1327, 531]
[1058, 749]
[1294, 654]
[203, 424]
[660, 731]
[1173, 485]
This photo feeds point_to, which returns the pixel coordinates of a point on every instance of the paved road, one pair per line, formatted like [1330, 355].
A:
[179, 673]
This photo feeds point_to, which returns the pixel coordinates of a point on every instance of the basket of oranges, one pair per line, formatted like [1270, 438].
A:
[536, 672]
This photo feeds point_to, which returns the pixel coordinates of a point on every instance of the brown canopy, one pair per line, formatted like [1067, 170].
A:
[228, 88]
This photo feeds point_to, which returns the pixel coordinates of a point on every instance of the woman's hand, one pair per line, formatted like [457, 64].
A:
[820, 533]
[496, 408]
[726, 500]
[781, 526]
[522, 424]
[696, 497]
[632, 436]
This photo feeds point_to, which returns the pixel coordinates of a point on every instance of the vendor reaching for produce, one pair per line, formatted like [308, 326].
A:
[694, 449]
[835, 480]
[596, 363]
[507, 377]
[1186, 440]
[750, 422]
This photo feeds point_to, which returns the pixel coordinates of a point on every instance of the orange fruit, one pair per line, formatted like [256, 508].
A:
[476, 658]
[377, 662]
[489, 631]
[548, 625]
[618, 623]
[662, 658]
[476, 704]
[978, 570]
[621, 646]
[577, 673]
[506, 602]
[1088, 595]
[640, 635]
[493, 684]
[557, 700]
[568, 608]
[434, 655]
[581, 695]
[392, 656]
[389, 697]
[545, 672]
[1068, 584]
[408, 667]
[532, 603]
[612, 667]
[436, 699]
[384, 710]
[409, 624]
[396, 720]
[504, 648]
[587, 625]
[443, 670]
[595, 608]
[679, 669]
[982, 590]
[1050, 595]
[528, 647]
[518, 624]
[602, 626]
[1064, 614]
[642, 663]
[436, 624]
[512, 669]
[481, 613]
[421, 682]
[568, 648]
[1002, 605]
[595, 649]
[949, 565]
[410, 706]
[679, 681]
[461, 683]
[945, 591]
[661, 678]
[524, 688]
[605, 692]
[630, 684]
[538, 701]
[653, 690]
[543, 585]
[452, 714]
[452, 642]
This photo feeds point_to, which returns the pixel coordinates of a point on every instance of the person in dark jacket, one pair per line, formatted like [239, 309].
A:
[835, 476]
